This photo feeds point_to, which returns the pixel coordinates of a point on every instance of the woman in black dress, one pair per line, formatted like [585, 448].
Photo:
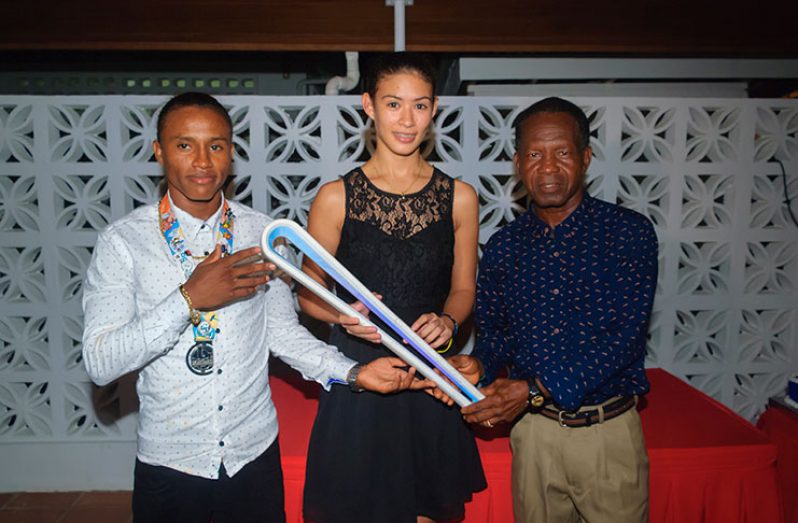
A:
[408, 232]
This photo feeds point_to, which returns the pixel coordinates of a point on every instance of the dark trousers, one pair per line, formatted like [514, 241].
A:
[254, 494]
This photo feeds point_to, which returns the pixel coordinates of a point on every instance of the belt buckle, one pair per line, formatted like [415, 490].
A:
[561, 417]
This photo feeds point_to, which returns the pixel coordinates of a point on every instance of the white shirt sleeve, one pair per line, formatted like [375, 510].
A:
[295, 345]
[117, 337]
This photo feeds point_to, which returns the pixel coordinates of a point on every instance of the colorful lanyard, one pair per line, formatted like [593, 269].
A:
[206, 330]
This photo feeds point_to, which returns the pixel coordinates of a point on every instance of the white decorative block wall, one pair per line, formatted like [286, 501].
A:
[704, 171]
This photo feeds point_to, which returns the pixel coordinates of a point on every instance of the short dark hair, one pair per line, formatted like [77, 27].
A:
[392, 63]
[554, 104]
[192, 99]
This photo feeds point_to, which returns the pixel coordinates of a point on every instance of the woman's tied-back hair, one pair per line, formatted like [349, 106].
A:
[554, 104]
[192, 99]
[392, 63]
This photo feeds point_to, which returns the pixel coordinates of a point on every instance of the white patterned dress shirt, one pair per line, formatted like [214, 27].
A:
[136, 319]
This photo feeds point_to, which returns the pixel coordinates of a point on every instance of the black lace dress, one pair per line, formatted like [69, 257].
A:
[376, 458]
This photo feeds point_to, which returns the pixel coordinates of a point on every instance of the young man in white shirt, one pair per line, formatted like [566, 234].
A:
[172, 292]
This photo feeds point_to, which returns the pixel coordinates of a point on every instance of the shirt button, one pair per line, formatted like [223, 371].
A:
[555, 291]
[221, 407]
[556, 330]
[218, 371]
[221, 443]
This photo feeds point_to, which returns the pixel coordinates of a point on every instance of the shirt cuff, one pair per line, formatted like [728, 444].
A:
[338, 372]
[490, 370]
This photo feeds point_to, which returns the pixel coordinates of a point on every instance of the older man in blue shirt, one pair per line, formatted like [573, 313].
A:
[563, 301]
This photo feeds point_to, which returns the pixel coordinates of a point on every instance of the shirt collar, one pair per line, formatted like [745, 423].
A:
[191, 225]
[568, 227]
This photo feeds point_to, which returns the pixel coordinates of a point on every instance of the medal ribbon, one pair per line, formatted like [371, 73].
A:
[209, 321]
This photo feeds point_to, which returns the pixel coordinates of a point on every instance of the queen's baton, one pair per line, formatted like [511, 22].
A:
[463, 393]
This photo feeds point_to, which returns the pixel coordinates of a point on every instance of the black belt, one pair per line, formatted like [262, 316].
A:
[590, 417]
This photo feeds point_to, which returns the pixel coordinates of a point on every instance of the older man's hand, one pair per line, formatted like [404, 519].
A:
[505, 400]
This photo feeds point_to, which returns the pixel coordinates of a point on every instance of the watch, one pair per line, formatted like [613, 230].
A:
[536, 399]
[351, 378]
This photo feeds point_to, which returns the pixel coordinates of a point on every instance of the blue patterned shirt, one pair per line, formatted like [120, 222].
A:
[571, 304]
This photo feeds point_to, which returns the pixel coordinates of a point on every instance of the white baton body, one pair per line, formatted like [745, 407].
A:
[463, 394]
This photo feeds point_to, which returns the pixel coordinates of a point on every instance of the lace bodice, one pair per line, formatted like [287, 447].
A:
[400, 246]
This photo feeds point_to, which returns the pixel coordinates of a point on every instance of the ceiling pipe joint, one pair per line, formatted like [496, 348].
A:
[336, 84]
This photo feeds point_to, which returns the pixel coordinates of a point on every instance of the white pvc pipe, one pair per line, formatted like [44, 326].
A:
[336, 84]
[399, 25]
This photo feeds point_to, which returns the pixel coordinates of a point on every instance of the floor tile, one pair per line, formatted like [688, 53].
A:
[97, 515]
[43, 500]
[31, 515]
[6, 497]
[105, 499]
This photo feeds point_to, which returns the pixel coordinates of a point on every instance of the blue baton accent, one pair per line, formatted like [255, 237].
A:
[302, 241]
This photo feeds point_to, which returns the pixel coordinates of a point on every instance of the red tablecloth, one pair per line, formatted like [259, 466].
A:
[707, 463]
[781, 425]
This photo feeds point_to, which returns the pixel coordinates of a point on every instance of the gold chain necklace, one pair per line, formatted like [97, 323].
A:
[402, 194]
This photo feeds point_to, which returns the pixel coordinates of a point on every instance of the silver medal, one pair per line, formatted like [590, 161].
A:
[199, 358]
